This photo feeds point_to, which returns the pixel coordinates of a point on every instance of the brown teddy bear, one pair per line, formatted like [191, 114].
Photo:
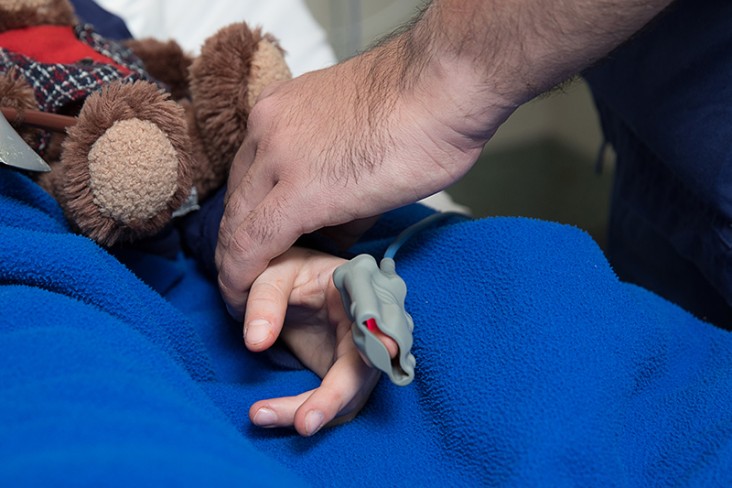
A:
[153, 128]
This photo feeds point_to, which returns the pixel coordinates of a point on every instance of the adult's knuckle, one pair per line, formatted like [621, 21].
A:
[233, 208]
[226, 225]
[240, 243]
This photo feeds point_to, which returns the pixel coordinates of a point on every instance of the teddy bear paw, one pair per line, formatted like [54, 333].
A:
[139, 186]
[125, 164]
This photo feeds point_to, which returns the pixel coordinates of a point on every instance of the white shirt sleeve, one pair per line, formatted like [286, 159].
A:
[191, 22]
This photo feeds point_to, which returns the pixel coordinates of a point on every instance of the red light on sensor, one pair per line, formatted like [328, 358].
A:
[371, 325]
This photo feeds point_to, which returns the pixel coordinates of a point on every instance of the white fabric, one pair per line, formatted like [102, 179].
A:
[190, 22]
[443, 202]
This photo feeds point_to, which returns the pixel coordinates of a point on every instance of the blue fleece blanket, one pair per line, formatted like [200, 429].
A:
[535, 366]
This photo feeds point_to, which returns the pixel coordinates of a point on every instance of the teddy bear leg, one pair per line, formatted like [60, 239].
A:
[125, 164]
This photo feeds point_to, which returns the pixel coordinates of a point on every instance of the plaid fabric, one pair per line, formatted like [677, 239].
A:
[58, 86]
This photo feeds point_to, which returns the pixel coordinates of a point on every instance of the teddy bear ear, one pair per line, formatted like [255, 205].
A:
[268, 66]
[236, 62]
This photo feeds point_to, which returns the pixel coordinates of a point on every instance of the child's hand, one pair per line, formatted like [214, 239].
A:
[295, 299]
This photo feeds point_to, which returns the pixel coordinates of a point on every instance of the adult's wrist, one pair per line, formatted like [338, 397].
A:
[499, 54]
[450, 77]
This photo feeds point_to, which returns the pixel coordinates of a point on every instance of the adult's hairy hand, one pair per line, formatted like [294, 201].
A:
[328, 148]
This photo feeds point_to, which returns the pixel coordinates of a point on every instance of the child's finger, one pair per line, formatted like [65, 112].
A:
[267, 305]
[391, 345]
[277, 412]
[343, 392]
[338, 399]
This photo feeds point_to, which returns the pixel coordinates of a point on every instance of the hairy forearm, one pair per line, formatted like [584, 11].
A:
[519, 48]
[489, 56]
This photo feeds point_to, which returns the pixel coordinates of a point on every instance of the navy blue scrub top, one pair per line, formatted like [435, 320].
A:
[665, 104]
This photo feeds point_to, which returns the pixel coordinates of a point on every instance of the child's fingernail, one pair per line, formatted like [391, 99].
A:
[265, 417]
[257, 331]
[313, 422]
